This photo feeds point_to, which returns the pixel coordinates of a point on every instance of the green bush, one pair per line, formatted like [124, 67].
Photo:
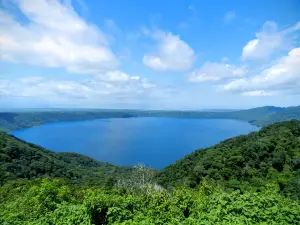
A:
[57, 202]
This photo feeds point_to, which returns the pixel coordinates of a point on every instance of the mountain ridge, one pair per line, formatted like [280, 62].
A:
[260, 116]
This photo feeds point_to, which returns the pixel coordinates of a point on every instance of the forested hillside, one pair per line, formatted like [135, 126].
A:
[21, 160]
[245, 162]
[283, 115]
[250, 179]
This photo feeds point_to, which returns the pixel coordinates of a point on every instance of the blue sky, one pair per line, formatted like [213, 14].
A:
[149, 54]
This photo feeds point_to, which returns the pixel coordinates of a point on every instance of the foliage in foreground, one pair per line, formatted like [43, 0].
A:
[46, 201]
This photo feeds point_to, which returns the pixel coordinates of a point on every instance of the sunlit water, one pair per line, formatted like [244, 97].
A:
[156, 142]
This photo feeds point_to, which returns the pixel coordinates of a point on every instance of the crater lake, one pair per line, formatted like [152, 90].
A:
[155, 142]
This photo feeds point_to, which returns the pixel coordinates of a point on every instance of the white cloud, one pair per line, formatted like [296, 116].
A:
[172, 54]
[135, 93]
[116, 76]
[148, 84]
[268, 41]
[229, 16]
[54, 36]
[113, 85]
[282, 76]
[212, 72]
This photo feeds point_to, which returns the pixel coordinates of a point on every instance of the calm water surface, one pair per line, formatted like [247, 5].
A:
[156, 142]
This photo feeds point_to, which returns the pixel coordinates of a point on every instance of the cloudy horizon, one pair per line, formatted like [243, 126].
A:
[151, 55]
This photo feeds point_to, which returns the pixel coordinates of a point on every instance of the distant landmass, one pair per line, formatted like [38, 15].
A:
[261, 116]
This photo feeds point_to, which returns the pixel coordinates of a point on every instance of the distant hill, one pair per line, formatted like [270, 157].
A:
[260, 116]
[21, 160]
[282, 115]
[10, 121]
[255, 114]
[247, 161]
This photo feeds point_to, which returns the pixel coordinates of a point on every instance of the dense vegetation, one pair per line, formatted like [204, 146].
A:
[250, 179]
[283, 115]
[57, 202]
[245, 162]
[21, 160]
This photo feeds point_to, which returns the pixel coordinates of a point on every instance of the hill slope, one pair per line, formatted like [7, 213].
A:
[247, 161]
[283, 115]
[239, 182]
[255, 114]
[19, 159]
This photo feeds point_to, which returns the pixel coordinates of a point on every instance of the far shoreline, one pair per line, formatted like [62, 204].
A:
[83, 120]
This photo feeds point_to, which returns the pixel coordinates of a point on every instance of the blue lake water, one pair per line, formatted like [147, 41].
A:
[156, 142]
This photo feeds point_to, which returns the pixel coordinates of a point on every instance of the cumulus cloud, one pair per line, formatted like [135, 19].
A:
[282, 76]
[116, 76]
[172, 54]
[118, 84]
[268, 41]
[135, 93]
[213, 72]
[53, 35]
[229, 16]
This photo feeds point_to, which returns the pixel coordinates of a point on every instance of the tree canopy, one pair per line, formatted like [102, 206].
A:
[21, 160]
[245, 162]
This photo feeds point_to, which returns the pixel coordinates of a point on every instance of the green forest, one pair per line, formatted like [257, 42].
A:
[250, 179]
